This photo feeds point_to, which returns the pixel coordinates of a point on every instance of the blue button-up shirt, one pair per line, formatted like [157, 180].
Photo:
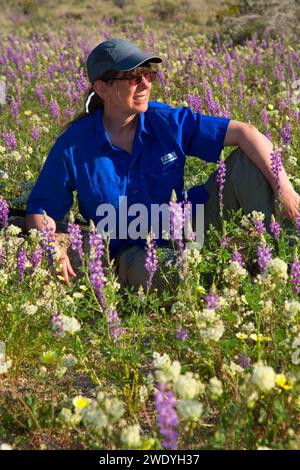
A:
[84, 159]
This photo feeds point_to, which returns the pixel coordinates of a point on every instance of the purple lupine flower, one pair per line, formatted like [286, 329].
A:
[176, 220]
[96, 273]
[260, 226]
[35, 133]
[295, 275]
[276, 164]
[225, 241]
[244, 361]
[57, 323]
[264, 256]
[151, 263]
[286, 133]
[236, 256]
[212, 300]
[9, 140]
[264, 118]
[167, 419]
[187, 216]
[4, 211]
[38, 91]
[22, 260]
[76, 239]
[298, 224]
[48, 245]
[113, 322]
[2, 255]
[14, 108]
[54, 109]
[181, 334]
[36, 259]
[275, 228]
[220, 179]
[69, 112]
[81, 83]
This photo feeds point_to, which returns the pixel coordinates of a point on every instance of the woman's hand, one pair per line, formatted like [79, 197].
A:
[66, 268]
[290, 200]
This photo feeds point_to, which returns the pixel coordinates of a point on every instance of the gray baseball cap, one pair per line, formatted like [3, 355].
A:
[116, 54]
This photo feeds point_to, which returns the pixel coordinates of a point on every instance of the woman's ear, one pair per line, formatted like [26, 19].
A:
[100, 88]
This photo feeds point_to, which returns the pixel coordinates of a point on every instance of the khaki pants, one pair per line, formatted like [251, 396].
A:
[245, 187]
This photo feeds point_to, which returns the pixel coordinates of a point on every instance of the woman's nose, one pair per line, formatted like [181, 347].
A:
[144, 83]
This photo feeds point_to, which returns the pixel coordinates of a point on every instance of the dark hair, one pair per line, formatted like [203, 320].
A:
[96, 101]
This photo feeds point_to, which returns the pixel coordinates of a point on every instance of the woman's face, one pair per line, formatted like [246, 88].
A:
[121, 96]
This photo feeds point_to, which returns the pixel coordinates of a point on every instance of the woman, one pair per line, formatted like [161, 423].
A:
[124, 145]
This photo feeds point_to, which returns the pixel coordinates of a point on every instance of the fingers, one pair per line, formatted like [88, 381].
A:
[66, 270]
[70, 269]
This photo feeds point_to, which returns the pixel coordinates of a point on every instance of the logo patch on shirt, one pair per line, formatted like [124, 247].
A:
[169, 157]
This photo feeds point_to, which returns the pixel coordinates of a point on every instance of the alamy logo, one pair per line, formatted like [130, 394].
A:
[169, 157]
[133, 221]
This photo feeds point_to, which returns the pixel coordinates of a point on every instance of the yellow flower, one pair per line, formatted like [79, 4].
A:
[48, 358]
[83, 287]
[241, 336]
[201, 290]
[28, 112]
[282, 382]
[80, 402]
[260, 338]
[271, 107]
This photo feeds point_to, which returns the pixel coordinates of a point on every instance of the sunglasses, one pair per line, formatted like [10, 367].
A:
[136, 79]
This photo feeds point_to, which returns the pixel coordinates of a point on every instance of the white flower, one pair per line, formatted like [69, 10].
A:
[190, 410]
[16, 155]
[188, 387]
[3, 175]
[130, 436]
[211, 327]
[35, 235]
[296, 342]
[5, 446]
[161, 362]
[292, 310]
[170, 373]
[215, 388]
[4, 366]
[13, 231]
[256, 215]
[69, 360]
[292, 160]
[29, 309]
[251, 400]
[95, 416]
[296, 357]
[263, 448]
[3, 279]
[114, 408]
[264, 377]
[77, 295]
[234, 270]
[70, 324]
[277, 269]
[143, 393]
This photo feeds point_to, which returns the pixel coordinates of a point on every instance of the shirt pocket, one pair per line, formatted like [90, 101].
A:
[163, 182]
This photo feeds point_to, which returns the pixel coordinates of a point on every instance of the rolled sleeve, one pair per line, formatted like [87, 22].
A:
[53, 191]
[203, 136]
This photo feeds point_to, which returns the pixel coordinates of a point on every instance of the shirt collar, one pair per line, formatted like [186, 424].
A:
[104, 139]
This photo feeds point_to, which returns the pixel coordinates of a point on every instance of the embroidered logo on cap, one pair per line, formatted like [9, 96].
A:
[169, 157]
